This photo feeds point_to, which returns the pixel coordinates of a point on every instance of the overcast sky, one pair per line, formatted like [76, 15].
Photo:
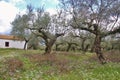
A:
[9, 9]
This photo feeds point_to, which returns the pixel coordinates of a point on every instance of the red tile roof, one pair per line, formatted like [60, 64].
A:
[9, 37]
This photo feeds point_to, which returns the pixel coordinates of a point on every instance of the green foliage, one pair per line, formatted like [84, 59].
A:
[34, 42]
[19, 27]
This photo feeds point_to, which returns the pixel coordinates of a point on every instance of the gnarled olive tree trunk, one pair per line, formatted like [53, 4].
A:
[25, 45]
[70, 46]
[49, 44]
[97, 48]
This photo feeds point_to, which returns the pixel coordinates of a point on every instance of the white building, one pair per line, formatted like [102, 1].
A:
[11, 42]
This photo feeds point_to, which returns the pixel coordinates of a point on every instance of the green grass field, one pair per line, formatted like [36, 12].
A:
[32, 65]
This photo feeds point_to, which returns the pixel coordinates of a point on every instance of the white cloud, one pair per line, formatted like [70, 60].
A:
[9, 9]
[7, 15]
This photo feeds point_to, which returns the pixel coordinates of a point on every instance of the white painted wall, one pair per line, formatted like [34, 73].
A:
[12, 44]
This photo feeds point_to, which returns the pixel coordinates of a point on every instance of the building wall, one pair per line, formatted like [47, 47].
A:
[12, 44]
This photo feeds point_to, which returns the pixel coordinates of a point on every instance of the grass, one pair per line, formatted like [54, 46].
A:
[32, 65]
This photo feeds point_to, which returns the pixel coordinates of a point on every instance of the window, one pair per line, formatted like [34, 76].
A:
[6, 44]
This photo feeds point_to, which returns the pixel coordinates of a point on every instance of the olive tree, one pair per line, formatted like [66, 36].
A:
[99, 17]
[71, 41]
[86, 39]
[48, 27]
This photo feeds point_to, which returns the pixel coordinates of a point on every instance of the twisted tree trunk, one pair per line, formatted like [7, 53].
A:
[83, 44]
[97, 47]
[69, 46]
[49, 44]
[48, 49]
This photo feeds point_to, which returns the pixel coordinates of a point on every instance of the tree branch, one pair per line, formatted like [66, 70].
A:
[111, 32]
[82, 27]
[87, 29]
[58, 35]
